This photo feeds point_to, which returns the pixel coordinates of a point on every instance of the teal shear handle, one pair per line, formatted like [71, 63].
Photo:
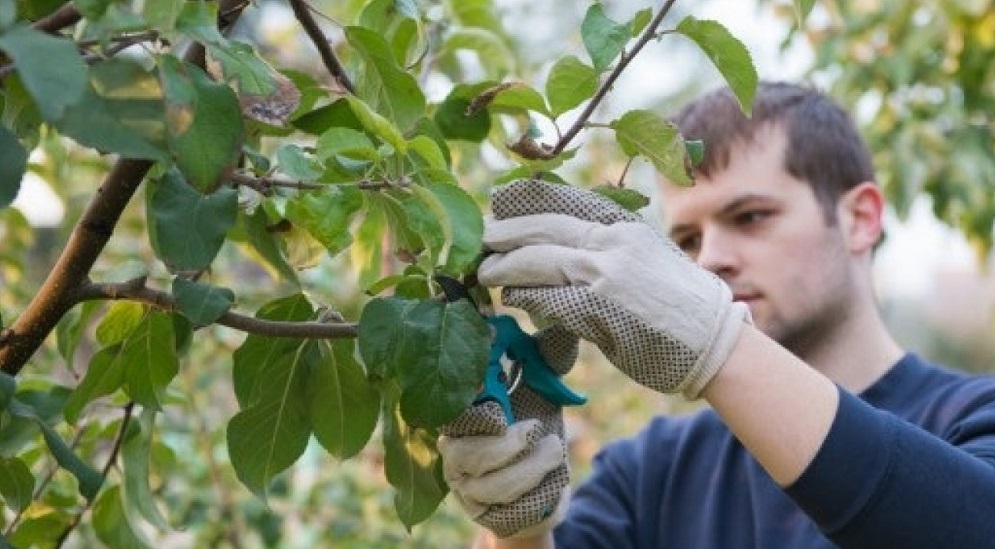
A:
[511, 341]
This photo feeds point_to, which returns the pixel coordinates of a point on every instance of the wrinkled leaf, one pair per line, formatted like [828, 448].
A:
[641, 132]
[327, 214]
[389, 90]
[378, 125]
[201, 303]
[603, 38]
[51, 69]
[298, 164]
[188, 227]
[239, 62]
[570, 83]
[728, 54]
[629, 199]
[344, 404]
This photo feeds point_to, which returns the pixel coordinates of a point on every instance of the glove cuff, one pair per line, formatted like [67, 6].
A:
[724, 338]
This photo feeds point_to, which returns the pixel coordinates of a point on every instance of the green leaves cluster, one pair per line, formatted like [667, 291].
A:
[350, 196]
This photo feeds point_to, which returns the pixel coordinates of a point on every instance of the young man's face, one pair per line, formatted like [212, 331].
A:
[763, 232]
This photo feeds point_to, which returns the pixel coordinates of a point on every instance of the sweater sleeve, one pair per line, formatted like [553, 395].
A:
[879, 481]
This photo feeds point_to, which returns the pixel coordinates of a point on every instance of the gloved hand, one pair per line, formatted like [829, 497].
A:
[513, 480]
[577, 258]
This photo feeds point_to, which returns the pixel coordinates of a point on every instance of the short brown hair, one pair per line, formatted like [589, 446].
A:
[824, 147]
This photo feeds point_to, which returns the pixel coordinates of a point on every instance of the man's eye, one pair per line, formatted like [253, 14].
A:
[752, 216]
[689, 244]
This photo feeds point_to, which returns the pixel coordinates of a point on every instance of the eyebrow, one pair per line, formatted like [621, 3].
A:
[727, 209]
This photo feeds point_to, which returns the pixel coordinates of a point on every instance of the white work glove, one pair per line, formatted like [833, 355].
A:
[579, 259]
[513, 480]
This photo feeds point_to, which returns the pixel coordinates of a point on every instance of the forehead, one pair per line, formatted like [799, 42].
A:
[755, 169]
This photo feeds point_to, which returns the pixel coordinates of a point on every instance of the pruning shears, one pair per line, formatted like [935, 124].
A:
[512, 346]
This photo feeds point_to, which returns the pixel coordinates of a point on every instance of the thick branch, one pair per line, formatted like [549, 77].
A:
[67, 15]
[54, 299]
[303, 13]
[137, 291]
[648, 34]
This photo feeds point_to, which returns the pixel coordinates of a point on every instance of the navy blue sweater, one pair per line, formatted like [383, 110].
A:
[909, 464]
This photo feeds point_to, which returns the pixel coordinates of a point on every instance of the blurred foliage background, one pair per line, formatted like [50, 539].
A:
[918, 76]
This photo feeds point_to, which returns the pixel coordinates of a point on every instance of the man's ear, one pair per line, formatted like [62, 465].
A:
[861, 211]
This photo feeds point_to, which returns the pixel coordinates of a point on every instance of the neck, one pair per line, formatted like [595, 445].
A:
[858, 351]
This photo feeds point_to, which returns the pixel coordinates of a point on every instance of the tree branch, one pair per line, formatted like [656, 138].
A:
[648, 34]
[136, 290]
[266, 185]
[67, 15]
[303, 13]
[91, 233]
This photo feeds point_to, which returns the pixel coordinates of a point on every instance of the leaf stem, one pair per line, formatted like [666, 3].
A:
[648, 34]
[266, 185]
[65, 16]
[303, 13]
[136, 290]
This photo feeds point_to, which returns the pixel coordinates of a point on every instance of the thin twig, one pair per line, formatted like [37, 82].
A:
[118, 442]
[648, 34]
[136, 290]
[266, 185]
[303, 13]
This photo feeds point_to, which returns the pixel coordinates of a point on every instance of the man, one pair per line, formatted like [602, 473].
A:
[821, 432]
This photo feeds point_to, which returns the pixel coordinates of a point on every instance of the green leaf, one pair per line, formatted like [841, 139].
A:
[454, 123]
[640, 20]
[381, 330]
[258, 353]
[570, 82]
[253, 232]
[17, 484]
[104, 375]
[112, 524]
[495, 56]
[199, 20]
[122, 319]
[344, 404]
[728, 54]
[201, 303]
[378, 125]
[50, 68]
[189, 228]
[204, 122]
[629, 199]
[461, 219]
[135, 455]
[327, 214]
[71, 329]
[239, 62]
[520, 96]
[428, 151]
[603, 38]
[270, 435]
[8, 386]
[89, 479]
[121, 111]
[346, 141]
[388, 89]
[162, 14]
[298, 164]
[365, 253]
[92, 9]
[413, 467]
[420, 217]
[641, 132]
[696, 151]
[13, 162]
[320, 120]
[802, 9]
[442, 361]
[149, 354]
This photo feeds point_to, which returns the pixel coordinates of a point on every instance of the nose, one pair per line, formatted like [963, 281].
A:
[718, 253]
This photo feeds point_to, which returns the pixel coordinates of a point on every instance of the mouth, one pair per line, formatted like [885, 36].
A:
[746, 298]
